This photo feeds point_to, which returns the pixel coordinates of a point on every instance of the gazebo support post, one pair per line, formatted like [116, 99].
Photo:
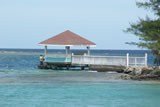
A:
[67, 67]
[67, 51]
[88, 48]
[45, 51]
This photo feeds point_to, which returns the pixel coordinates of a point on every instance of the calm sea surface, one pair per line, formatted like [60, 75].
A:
[22, 84]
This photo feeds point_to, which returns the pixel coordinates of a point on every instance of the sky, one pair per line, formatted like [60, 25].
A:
[25, 23]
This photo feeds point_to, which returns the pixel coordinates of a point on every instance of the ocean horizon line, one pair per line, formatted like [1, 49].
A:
[75, 49]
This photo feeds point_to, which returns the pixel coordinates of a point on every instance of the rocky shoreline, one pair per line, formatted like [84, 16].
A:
[141, 73]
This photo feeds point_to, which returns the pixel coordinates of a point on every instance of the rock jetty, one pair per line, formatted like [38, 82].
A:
[142, 73]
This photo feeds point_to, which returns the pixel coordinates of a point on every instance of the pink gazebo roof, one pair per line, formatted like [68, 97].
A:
[68, 38]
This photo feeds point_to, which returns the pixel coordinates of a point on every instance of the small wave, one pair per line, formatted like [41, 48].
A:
[112, 72]
[92, 71]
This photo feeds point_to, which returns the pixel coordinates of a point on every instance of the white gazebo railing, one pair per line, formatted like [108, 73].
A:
[99, 60]
[109, 60]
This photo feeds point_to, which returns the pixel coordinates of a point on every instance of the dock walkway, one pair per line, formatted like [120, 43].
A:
[88, 60]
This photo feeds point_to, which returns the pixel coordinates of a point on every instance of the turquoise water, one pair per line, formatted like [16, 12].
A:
[80, 95]
[74, 89]
[22, 84]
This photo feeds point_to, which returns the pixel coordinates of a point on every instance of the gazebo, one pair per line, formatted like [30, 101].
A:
[67, 39]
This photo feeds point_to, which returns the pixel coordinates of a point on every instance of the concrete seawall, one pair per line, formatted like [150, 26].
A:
[105, 68]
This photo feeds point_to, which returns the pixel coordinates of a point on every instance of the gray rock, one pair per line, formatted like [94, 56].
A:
[135, 70]
[138, 71]
[125, 77]
[146, 71]
[129, 70]
[156, 72]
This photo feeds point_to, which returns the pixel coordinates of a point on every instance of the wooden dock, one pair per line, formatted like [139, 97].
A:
[94, 62]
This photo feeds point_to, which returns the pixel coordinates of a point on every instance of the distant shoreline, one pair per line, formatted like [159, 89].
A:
[76, 49]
